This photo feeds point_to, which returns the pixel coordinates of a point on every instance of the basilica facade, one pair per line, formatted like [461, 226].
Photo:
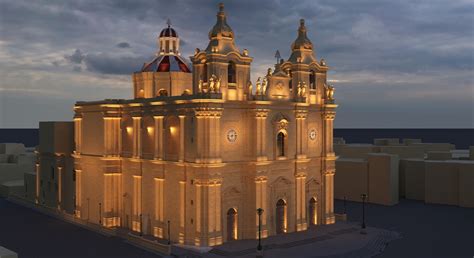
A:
[201, 146]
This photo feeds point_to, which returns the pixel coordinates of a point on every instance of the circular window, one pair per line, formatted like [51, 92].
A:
[231, 135]
[312, 134]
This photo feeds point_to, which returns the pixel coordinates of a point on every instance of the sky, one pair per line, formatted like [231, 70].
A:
[395, 64]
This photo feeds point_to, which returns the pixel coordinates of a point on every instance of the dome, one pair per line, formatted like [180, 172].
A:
[166, 63]
[168, 32]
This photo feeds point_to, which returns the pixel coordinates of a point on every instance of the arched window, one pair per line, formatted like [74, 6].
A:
[312, 80]
[281, 144]
[231, 73]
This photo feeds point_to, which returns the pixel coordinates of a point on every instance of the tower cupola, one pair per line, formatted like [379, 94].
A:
[168, 41]
[302, 48]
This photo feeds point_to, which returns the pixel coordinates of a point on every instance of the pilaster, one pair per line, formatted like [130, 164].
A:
[301, 137]
[158, 139]
[207, 134]
[261, 117]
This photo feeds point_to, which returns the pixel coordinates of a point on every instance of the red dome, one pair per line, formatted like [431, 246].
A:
[167, 63]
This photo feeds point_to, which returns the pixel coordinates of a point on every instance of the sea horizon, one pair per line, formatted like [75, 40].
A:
[462, 138]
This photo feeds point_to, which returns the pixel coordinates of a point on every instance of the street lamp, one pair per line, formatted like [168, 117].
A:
[344, 204]
[100, 213]
[169, 233]
[259, 247]
[363, 196]
[141, 223]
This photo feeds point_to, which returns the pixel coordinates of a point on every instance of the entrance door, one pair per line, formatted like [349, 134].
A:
[281, 217]
[313, 215]
[231, 224]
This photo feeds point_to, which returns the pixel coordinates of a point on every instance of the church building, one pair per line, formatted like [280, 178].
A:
[201, 146]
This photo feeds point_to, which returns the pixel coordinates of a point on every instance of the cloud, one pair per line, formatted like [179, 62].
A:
[123, 45]
[110, 64]
[76, 57]
[412, 52]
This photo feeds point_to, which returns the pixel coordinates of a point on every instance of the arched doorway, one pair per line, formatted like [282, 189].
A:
[231, 224]
[280, 217]
[313, 214]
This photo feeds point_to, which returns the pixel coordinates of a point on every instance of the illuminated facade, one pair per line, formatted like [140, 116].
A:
[205, 149]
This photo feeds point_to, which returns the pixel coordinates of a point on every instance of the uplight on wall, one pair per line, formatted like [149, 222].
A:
[173, 130]
[149, 129]
[129, 129]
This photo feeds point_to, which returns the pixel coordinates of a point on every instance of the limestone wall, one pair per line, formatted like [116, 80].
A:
[412, 179]
[351, 179]
[383, 178]
[376, 176]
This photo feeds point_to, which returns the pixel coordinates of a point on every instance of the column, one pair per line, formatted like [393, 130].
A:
[261, 202]
[207, 135]
[159, 208]
[214, 213]
[158, 137]
[301, 137]
[198, 201]
[137, 204]
[182, 210]
[78, 134]
[137, 137]
[328, 168]
[112, 199]
[301, 202]
[78, 192]
[181, 137]
[112, 136]
[261, 116]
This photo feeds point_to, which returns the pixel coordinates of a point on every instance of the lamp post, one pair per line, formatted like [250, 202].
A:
[363, 196]
[169, 233]
[141, 225]
[344, 204]
[100, 213]
[88, 206]
[259, 247]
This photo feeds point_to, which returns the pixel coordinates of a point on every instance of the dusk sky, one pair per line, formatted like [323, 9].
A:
[395, 64]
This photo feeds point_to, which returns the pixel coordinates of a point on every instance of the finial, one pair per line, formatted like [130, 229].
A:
[168, 21]
[221, 7]
[277, 56]
[302, 22]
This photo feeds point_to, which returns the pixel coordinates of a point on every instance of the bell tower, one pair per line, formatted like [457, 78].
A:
[305, 70]
[223, 62]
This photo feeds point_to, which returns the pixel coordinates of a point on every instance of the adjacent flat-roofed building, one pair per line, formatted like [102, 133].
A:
[55, 185]
[206, 151]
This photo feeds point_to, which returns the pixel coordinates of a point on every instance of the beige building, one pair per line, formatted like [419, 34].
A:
[55, 185]
[204, 149]
[388, 170]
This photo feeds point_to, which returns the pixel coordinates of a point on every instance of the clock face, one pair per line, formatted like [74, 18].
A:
[312, 134]
[231, 135]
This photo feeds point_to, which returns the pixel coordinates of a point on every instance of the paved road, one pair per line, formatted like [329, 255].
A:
[428, 230]
[33, 234]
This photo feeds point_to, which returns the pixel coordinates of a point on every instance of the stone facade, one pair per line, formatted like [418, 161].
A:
[202, 162]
